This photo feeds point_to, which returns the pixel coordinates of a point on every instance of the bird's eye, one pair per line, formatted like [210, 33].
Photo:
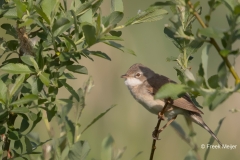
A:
[137, 75]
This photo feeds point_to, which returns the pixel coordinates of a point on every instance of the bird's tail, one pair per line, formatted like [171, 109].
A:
[198, 120]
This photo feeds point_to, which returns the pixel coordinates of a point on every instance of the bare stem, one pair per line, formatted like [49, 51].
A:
[214, 43]
[160, 118]
[6, 142]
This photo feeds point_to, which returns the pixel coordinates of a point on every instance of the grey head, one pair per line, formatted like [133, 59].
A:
[139, 71]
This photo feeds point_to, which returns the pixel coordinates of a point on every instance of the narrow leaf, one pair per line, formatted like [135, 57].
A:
[97, 118]
[77, 69]
[79, 150]
[100, 54]
[20, 110]
[29, 60]
[3, 91]
[212, 139]
[205, 53]
[60, 26]
[210, 32]
[119, 46]
[18, 83]
[149, 15]
[107, 149]
[70, 89]
[16, 68]
[44, 77]
[25, 99]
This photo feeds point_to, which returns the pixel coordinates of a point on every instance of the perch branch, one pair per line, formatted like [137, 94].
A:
[160, 118]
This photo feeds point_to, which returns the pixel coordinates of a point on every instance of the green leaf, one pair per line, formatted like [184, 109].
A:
[28, 145]
[77, 69]
[48, 7]
[87, 17]
[89, 33]
[16, 68]
[222, 75]
[70, 130]
[24, 125]
[115, 17]
[32, 116]
[119, 46]
[20, 110]
[3, 92]
[205, 53]
[29, 60]
[13, 135]
[12, 45]
[180, 75]
[18, 83]
[51, 113]
[69, 40]
[60, 26]
[79, 150]
[107, 37]
[100, 54]
[97, 118]
[42, 14]
[25, 99]
[217, 99]
[44, 77]
[117, 5]
[2, 129]
[11, 13]
[194, 46]
[4, 114]
[212, 139]
[191, 156]
[39, 118]
[212, 81]
[149, 15]
[171, 90]
[107, 150]
[21, 8]
[10, 30]
[116, 33]
[210, 32]
[70, 89]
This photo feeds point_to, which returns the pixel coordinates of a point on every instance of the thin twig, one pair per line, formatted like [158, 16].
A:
[160, 118]
[214, 43]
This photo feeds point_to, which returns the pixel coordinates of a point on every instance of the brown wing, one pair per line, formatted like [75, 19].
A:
[157, 81]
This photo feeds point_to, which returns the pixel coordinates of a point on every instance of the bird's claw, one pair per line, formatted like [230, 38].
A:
[155, 134]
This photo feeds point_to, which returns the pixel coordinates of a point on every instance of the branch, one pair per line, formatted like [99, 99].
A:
[6, 141]
[160, 118]
[214, 43]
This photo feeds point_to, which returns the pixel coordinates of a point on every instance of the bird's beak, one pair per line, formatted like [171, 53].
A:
[124, 76]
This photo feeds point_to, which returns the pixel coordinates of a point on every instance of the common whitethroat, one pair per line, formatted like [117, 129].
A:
[143, 83]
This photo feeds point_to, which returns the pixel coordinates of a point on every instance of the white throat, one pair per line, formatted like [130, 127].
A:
[130, 82]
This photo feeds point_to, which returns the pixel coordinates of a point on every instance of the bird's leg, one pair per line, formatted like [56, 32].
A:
[169, 122]
[156, 132]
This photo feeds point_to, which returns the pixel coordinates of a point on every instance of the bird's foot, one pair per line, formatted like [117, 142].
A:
[161, 116]
[155, 134]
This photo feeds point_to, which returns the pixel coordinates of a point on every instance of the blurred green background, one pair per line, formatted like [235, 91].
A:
[129, 123]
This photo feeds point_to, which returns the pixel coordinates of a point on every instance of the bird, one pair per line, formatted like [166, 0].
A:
[143, 84]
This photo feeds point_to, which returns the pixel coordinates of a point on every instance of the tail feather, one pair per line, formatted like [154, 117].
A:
[198, 120]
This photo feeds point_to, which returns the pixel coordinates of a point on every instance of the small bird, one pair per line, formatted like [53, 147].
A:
[143, 83]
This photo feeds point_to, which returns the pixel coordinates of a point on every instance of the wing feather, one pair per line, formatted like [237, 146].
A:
[157, 81]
